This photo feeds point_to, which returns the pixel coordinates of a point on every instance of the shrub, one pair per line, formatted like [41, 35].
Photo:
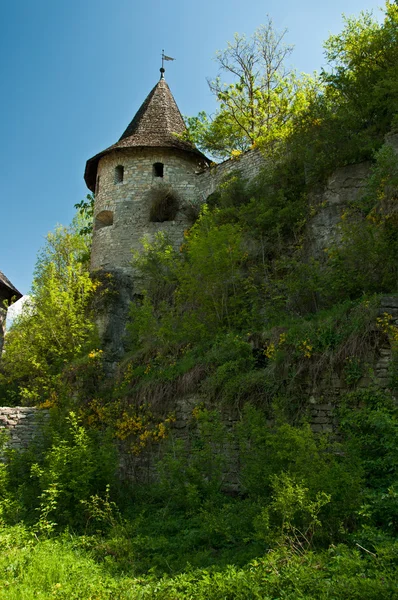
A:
[52, 477]
[267, 452]
[164, 204]
[369, 421]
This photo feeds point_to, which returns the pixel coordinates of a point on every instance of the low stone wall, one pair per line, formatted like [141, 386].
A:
[22, 424]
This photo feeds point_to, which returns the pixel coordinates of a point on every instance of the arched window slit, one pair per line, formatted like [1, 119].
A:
[119, 174]
[158, 169]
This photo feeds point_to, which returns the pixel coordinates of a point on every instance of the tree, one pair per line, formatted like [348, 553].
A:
[55, 325]
[257, 106]
[358, 105]
[86, 211]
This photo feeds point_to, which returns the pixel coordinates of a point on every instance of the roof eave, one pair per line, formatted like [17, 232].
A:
[9, 292]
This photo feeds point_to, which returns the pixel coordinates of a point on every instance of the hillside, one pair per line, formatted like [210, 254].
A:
[245, 443]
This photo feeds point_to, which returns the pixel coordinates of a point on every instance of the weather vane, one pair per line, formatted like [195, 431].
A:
[164, 57]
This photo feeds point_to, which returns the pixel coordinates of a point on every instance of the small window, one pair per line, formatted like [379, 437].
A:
[158, 170]
[97, 185]
[103, 219]
[119, 174]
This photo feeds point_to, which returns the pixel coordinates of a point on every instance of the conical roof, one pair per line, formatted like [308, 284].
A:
[157, 124]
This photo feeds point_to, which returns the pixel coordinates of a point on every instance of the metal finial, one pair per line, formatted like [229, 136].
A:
[162, 70]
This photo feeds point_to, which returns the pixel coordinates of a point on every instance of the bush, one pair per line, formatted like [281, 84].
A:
[165, 204]
[316, 465]
[52, 478]
[369, 420]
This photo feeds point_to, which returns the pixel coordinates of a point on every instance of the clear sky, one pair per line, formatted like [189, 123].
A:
[74, 72]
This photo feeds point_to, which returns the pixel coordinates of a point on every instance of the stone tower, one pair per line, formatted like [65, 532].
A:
[143, 184]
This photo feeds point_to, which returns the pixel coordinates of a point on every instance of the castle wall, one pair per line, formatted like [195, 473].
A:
[345, 185]
[24, 424]
[248, 165]
[129, 203]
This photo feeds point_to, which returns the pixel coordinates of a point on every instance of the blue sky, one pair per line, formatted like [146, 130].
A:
[74, 72]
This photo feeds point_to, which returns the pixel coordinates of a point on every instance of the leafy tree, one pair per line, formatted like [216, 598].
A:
[55, 326]
[211, 280]
[86, 212]
[257, 106]
[358, 103]
[364, 61]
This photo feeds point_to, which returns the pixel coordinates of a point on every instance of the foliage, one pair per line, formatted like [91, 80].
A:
[85, 209]
[329, 120]
[191, 473]
[64, 568]
[185, 537]
[55, 326]
[364, 59]
[258, 106]
[369, 420]
[47, 483]
[188, 300]
[347, 122]
[133, 423]
[292, 461]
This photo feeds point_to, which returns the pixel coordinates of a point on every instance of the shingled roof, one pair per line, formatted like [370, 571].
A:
[157, 124]
[7, 290]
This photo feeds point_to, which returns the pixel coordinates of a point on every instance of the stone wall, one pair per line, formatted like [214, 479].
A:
[22, 424]
[343, 186]
[322, 398]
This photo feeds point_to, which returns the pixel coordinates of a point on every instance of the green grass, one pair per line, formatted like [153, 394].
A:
[64, 567]
[52, 568]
